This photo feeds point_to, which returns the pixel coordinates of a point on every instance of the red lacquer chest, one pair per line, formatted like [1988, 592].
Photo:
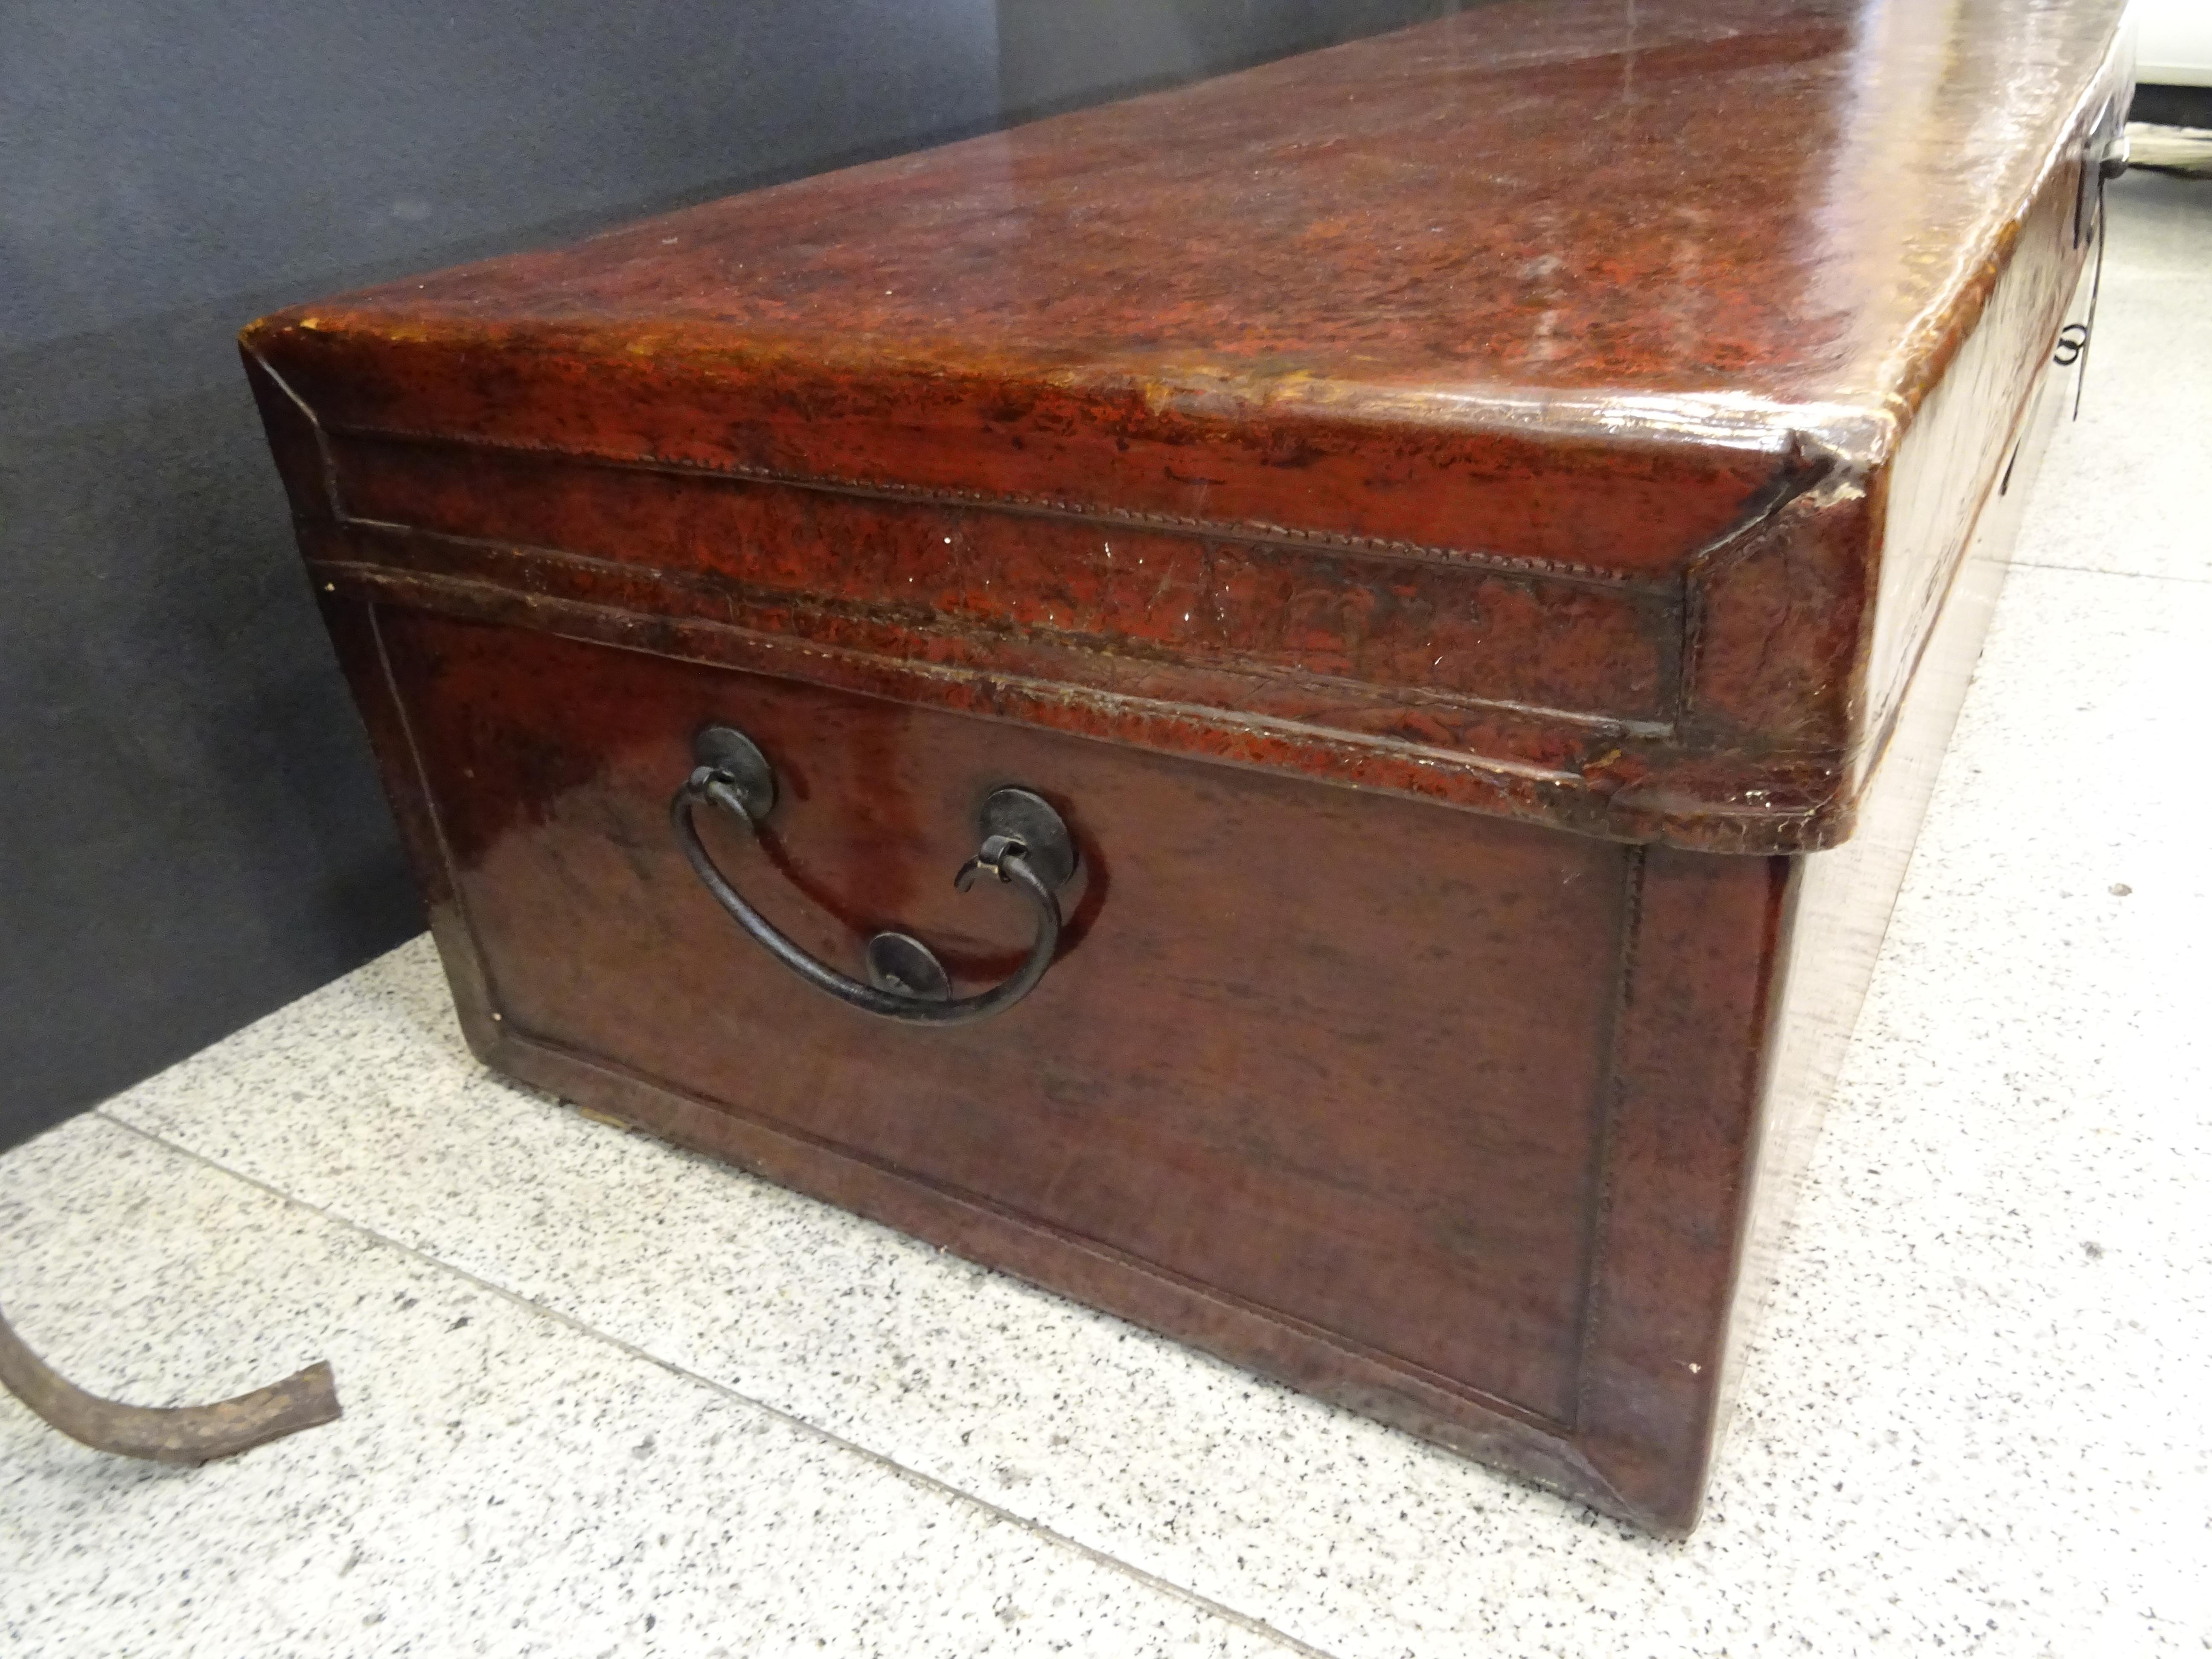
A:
[1417, 588]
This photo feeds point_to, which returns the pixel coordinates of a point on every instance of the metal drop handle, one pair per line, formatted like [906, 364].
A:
[1024, 843]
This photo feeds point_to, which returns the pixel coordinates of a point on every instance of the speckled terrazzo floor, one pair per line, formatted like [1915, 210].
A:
[603, 1397]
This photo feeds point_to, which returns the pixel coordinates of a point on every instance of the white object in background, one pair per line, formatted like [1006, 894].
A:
[2171, 149]
[2173, 42]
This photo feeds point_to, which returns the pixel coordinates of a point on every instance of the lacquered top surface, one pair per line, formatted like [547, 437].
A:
[1609, 214]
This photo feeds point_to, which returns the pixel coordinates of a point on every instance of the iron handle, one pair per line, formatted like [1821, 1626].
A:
[1024, 843]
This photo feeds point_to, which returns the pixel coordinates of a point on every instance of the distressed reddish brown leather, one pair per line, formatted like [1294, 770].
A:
[1506, 410]
[1606, 419]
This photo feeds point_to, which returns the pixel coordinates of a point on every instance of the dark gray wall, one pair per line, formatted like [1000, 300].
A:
[190, 832]
[1057, 54]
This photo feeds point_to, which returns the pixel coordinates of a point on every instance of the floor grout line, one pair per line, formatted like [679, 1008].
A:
[2091, 570]
[915, 1477]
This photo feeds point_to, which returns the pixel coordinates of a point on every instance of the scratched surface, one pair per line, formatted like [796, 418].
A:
[1562, 409]
[1670, 213]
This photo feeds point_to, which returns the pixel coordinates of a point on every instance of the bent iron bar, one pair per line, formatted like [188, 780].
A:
[188, 1435]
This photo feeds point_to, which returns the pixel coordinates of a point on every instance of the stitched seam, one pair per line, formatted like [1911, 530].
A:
[1795, 478]
[1351, 747]
[806, 603]
[1248, 529]
[412, 583]
[494, 1003]
[1608, 1128]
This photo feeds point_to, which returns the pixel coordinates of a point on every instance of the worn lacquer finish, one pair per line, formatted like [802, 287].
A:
[1606, 418]
[1501, 410]
[1434, 1103]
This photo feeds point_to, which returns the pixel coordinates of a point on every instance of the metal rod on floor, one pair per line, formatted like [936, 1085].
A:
[177, 1434]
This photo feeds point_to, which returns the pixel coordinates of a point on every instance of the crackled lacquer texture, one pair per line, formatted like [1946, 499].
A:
[1504, 409]
[1606, 418]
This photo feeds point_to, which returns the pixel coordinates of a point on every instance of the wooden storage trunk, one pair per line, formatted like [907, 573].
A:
[1480, 534]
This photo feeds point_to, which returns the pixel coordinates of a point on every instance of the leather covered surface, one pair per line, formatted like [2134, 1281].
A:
[1505, 410]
